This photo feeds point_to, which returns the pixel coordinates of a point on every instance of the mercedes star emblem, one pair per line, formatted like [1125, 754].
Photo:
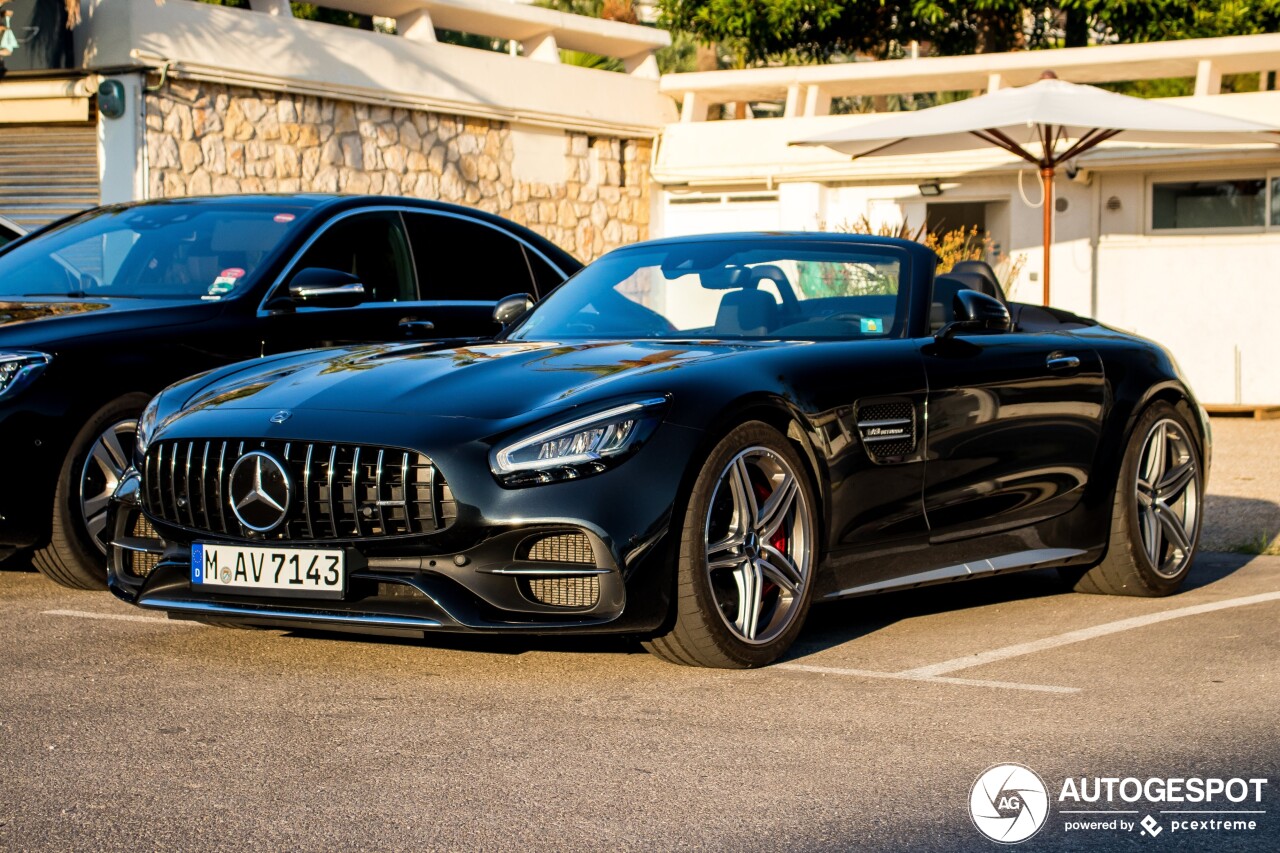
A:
[281, 416]
[259, 491]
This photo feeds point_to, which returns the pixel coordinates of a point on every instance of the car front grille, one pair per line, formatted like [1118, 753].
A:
[339, 491]
[566, 592]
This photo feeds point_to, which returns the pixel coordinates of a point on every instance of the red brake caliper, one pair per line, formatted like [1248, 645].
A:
[779, 540]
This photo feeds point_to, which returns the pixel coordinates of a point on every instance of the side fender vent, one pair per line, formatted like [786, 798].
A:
[887, 428]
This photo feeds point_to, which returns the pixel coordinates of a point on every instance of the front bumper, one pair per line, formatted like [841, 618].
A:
[474, 578]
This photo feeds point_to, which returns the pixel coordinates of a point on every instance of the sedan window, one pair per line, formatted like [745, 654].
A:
[372, 247]
[464, 260]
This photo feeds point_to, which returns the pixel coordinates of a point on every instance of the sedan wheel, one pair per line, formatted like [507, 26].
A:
[1155, 522]
[102, 472]
[747, 555]
[95, 462]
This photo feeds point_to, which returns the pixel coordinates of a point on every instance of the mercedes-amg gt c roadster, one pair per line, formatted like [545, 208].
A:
[691, 441]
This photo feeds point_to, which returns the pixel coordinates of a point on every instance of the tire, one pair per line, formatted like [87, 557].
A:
[1155, 527]
[721, 562]
[98, 455]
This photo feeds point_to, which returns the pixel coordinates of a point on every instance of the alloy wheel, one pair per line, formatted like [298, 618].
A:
[1168, 497]
[103, 469]
[758, 548]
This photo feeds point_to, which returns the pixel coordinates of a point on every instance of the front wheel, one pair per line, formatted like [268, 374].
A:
[76, 555]
[748, 554]
[1156, 515]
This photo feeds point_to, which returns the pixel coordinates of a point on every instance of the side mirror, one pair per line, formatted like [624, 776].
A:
[511, 308]
[975, 312]
[326, 288]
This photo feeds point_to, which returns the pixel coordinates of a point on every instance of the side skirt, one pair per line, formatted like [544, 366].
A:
[1017, 561]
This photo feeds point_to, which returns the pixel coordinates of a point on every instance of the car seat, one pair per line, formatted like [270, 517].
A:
[747, 312]
[990, 283]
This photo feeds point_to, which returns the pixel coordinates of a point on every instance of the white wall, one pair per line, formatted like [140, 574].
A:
[1203, 297]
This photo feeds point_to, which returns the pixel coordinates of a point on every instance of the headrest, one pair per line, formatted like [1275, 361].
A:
[983, 269]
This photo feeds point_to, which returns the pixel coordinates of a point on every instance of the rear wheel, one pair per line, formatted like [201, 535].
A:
[748, 552]
[103, 449]
[1155, 524]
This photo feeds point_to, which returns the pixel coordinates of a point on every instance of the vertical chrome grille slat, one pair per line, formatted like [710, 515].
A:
[204, 495]
[222, 504]
[333, 503]
[404, 493]
[377, 496]
[431, 496]
[306, 492]
[173, 479]
[355, 493]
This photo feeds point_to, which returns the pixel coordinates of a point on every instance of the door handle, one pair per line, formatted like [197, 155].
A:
[1062, 362]
[411, 326]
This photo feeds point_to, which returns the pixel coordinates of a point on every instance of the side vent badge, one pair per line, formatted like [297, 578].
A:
[888, 429]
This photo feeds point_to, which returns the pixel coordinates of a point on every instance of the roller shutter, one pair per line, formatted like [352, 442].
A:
[47, 171]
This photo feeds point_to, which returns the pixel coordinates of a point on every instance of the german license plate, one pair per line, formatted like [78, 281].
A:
[306, 572]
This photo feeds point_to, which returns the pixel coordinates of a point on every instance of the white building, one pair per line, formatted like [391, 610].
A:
[1179, 245]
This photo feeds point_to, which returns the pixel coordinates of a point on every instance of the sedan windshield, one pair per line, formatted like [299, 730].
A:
[730, 289]
[183, 250]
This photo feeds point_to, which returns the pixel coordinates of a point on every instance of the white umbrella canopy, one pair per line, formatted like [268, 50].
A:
[1047, 123]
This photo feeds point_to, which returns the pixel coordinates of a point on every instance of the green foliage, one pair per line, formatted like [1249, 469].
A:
[758, 32]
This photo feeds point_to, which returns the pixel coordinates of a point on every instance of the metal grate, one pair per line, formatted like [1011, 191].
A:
[340, 491]
[888, 429]
[47, 171]
[139, 563]
[562, 548]
[566, 592]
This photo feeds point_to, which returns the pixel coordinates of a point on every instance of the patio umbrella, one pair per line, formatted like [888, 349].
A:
[1047, 123]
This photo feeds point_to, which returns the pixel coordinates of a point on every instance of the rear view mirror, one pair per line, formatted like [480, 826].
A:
[975, 312]
[326, 287]
[511, 308]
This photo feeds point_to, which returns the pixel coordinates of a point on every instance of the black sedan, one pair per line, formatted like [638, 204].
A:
[692, 441]
[102, 310]
[9, 231]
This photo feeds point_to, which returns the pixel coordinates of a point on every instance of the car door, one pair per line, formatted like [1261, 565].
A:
[1013, 425]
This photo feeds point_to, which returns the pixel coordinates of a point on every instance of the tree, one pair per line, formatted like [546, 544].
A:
[756, 32]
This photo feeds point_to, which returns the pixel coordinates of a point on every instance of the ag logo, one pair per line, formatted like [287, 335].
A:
[1008, 803]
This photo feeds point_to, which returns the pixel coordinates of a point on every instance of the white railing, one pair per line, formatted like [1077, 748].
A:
[807, 90]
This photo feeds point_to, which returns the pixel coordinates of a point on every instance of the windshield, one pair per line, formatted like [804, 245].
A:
[155, 251]
[730, 289]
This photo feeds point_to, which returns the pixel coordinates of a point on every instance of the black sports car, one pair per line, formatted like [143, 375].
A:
[692, 440]
[102, 310]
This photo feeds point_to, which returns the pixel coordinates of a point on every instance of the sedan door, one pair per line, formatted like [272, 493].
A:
[1014, 420]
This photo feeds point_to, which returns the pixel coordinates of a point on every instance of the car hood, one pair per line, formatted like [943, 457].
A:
[30, 320]
[490, 381]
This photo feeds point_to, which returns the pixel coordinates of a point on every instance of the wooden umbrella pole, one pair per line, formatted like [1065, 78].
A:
[1046, 176]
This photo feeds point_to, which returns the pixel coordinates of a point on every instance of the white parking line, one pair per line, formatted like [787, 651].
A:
[904, 676]
[1083, 634]
[119, 617]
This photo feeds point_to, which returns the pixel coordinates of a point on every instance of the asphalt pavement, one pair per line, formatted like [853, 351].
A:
[122, 730]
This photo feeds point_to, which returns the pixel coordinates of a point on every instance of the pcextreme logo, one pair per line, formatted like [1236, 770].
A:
[1009, 803]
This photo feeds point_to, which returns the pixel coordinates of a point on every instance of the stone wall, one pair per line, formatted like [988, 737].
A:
[205, 138]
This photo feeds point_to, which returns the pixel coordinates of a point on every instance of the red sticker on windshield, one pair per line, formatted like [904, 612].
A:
[284, 217]
[232, 272]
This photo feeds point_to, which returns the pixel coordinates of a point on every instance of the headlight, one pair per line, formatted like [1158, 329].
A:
[146, 426]
[579, 448]
[19, 368]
